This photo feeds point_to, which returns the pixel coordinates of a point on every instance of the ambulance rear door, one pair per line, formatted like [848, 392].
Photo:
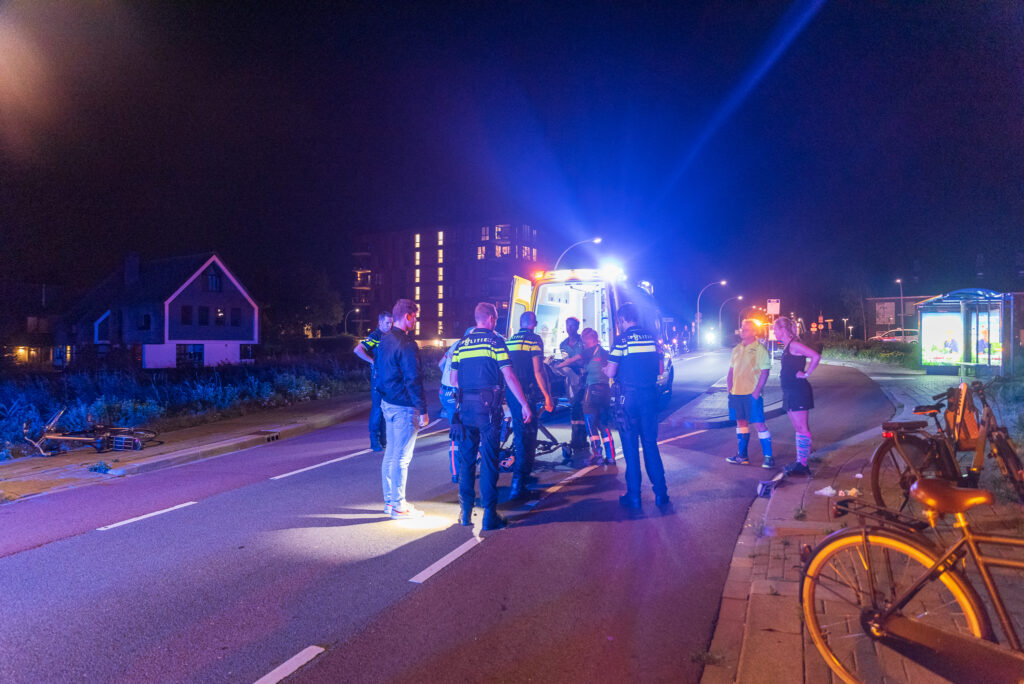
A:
[519, 301]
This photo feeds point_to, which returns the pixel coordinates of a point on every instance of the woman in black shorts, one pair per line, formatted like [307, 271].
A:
[797, 397]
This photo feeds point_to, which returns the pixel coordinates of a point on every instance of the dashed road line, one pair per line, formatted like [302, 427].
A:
[291, 665]
[433, 569]
[319, 465]
[147, 515]
[688, 434]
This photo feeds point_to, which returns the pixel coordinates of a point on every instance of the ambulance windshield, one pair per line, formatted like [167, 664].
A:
[584, 300]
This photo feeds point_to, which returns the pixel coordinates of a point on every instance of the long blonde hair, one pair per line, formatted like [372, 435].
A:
[789, 326]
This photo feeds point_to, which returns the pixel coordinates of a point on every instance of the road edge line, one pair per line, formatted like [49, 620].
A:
[445, 560]
[320, 465]
[291, 665]
[143, 517]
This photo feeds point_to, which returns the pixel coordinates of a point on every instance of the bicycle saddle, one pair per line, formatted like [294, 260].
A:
[927, 409]
[945, 497]
[905, 425]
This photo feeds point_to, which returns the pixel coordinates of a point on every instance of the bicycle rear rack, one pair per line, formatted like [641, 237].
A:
[865, 510]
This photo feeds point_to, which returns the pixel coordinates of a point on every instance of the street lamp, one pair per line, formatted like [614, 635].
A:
[899, 281]
[596, 241]
[717, 282]
[846, 330]
[345, 322]
[739, 297]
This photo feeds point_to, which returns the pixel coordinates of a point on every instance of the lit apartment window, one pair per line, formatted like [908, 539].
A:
[440, 309]
[497, 250]
[501, 232]
[485, 233]
[440, 291]
[440, 273]
[417, 296]
[417, 276]
[440, 328]
[417, 328]
[504, 250]
[481, 252]
[416, 260]
[440, 256]
[534, 253]
[440, 238]
[417, 241]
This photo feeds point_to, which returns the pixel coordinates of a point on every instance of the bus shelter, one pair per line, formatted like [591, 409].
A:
[967, 332]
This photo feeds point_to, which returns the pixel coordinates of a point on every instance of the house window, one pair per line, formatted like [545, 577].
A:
[221, 317]
[186, 315]
[416, 241]
[440, 256]
[504, 250]
[440, 309]
[481, 252]
[417, 328]
[416, 259]
[440, 238]
[485, 233]
[501, 232]
[440, 291]
[440, 328]
[188, 355]
[417, 276]
[145, 322]
[440, 273]
[204, 315]
[497, 250]
[417, 295]
[236, 317]
[214, 281]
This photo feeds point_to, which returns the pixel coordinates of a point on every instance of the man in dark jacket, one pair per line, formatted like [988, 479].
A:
[403, 404]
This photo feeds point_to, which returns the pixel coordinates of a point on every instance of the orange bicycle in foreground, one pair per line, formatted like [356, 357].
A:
[882, 602]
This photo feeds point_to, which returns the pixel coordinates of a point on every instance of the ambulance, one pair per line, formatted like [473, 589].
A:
[593, 296]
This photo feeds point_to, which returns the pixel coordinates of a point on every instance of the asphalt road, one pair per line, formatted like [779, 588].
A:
[250, 571]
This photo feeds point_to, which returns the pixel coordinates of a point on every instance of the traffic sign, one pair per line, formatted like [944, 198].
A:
[773, 307]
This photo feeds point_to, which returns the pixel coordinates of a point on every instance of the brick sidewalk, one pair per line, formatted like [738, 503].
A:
[759, 636]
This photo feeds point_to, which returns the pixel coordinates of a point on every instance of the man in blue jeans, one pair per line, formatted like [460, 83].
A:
[403, 404]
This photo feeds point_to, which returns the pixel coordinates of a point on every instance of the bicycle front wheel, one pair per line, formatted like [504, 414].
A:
[846, 579]
[1009, 462]
[144, 435]
[894, 468]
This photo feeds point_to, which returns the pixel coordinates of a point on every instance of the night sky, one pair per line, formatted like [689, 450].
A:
[795, 149]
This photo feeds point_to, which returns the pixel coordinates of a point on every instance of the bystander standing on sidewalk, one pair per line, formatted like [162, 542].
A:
[797, 396]
[367, 350]
[749, 367]
[403, 404]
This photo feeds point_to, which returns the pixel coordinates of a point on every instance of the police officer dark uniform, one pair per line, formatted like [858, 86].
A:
[635, 362]
[526, 352]
[367, 351]
[480, 363]
[571, 347]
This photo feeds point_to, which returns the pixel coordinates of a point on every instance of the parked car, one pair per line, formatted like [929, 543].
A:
[897, 335]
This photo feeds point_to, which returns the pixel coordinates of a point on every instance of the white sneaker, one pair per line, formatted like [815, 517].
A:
[404, 512]
[387, 509]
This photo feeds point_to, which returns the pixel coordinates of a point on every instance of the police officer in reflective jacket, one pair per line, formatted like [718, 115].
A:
[367, 350]
[526, 351]
[635, 363]
[481, 362]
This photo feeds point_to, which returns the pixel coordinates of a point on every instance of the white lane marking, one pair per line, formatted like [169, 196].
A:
[433, 569]
[692, 358]
[148, 515]
[318, 465]
[688, 434]
[558, 485]
[430, 425]
[291, 665]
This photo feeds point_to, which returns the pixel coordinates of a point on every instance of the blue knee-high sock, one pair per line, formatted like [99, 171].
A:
[766, 443]
[803, 448]
[742, 441]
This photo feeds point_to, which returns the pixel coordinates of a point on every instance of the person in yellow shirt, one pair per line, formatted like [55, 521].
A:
[748, 373]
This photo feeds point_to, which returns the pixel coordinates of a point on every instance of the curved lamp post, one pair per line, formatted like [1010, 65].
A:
[345, 322]
[717, 282]
[596, 241]
[739, 297]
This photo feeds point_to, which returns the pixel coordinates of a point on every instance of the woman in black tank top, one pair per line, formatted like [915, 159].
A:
[797, 396]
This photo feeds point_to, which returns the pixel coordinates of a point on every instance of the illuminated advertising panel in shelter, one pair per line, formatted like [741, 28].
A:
[942, 338]
[987, 333]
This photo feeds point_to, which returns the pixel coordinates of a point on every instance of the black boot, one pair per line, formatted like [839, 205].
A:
[630, 501]
[518, 488]
[493, 521]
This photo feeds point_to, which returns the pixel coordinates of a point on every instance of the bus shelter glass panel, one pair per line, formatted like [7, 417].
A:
[942, 338]
[987, 333]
